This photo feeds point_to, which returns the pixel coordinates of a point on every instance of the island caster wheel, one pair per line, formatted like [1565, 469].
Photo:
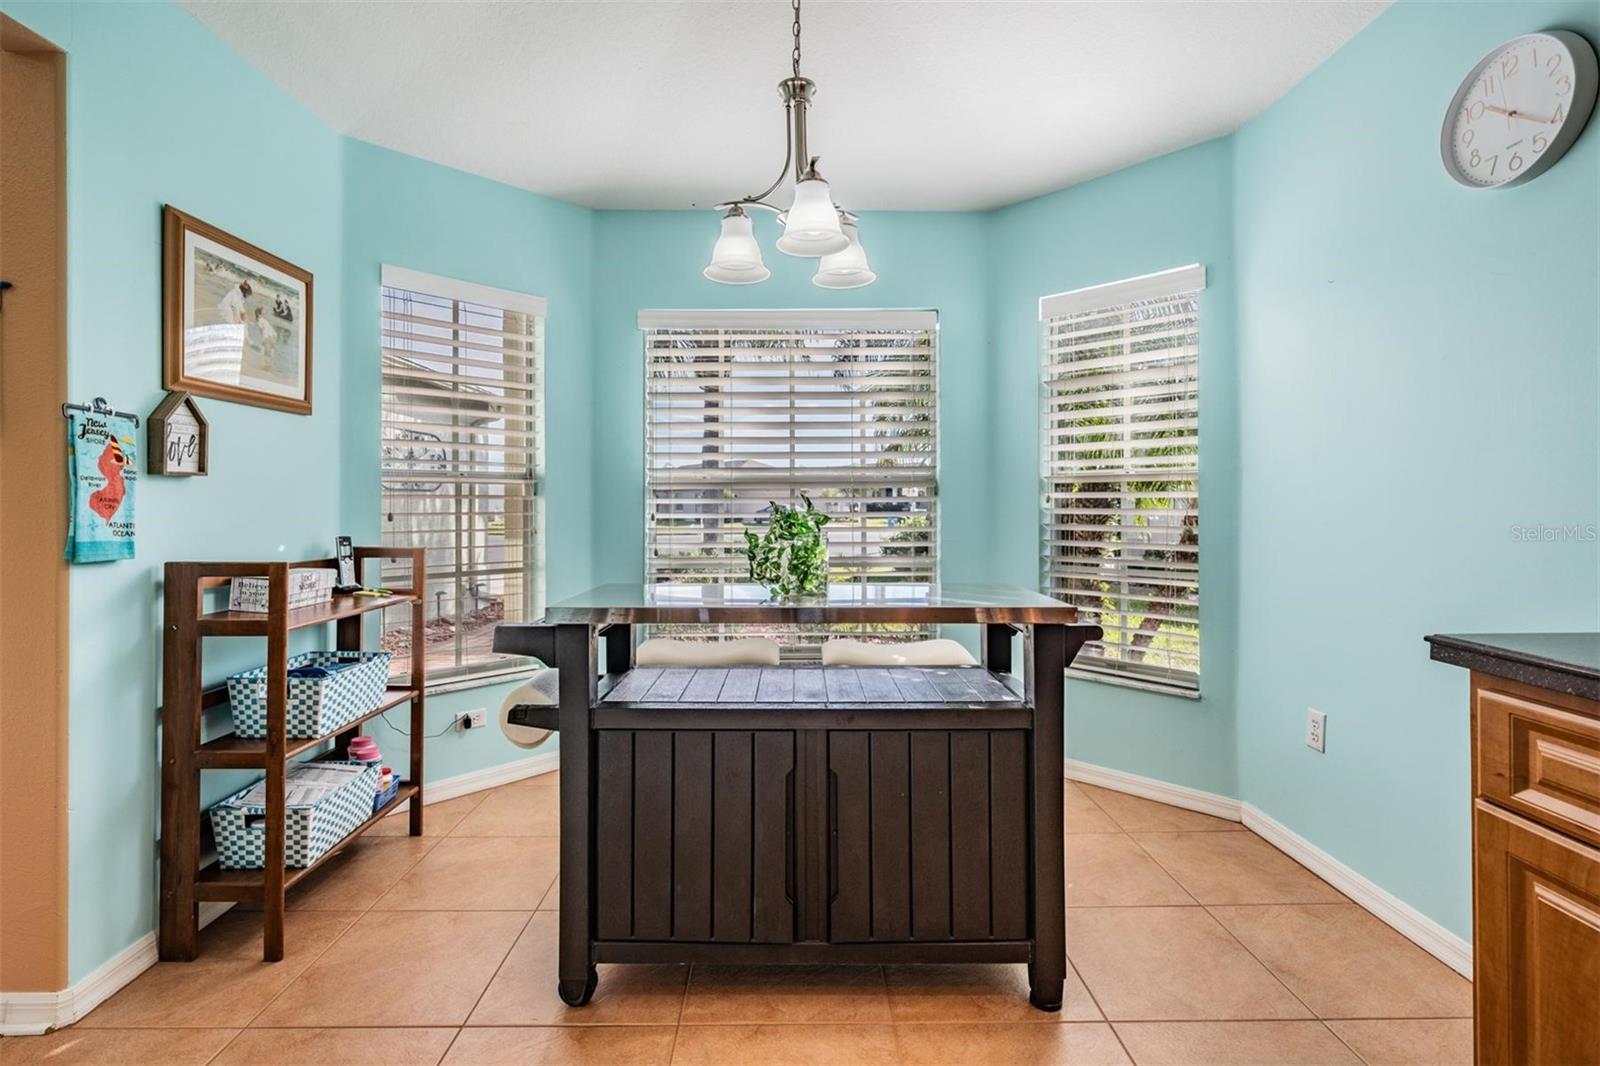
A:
[575, 993]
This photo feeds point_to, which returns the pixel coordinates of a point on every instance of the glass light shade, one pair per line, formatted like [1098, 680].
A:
[736, 259]
[847, 269]
[811, 225]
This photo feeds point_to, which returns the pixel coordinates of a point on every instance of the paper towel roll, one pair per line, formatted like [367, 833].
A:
[539, 691]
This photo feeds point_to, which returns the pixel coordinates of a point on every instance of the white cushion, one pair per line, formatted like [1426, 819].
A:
[847, 652]
[662, 651]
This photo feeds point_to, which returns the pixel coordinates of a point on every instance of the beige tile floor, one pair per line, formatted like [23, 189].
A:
[1191, 941]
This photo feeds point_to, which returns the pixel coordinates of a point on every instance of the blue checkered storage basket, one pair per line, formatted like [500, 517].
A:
[316, 706]
[241, 828]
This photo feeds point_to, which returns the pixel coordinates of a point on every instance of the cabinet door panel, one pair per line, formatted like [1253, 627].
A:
[1536, 943]
[891, 835]
[693, 835]
[929, 835]
[733, 912]
[849, 816]
[930, 828]
[772, 781]
[969, 835]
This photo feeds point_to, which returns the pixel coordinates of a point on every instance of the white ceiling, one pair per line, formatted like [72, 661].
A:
[921, 104]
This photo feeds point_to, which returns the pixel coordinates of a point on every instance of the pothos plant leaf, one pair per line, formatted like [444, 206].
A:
[791, 557]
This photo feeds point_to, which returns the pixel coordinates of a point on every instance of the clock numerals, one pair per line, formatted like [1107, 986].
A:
[1540, 143]
[1508, 65]
[1563, 85]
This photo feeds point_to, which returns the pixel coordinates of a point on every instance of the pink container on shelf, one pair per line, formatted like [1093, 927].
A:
[365, 749]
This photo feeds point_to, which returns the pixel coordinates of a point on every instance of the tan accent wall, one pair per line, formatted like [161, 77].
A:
[33, 577]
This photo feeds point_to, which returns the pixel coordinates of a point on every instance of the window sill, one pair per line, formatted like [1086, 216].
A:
[462, 684]
[1120, 681]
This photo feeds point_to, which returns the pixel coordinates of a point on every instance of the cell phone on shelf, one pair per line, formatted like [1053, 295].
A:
[344, 554]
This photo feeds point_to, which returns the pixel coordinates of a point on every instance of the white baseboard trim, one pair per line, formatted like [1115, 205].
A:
[32, 1013]
[1190, 799]
[449, 788]
[1405, 919]
[1382, 904]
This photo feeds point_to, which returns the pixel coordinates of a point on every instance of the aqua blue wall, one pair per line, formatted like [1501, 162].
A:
[1168, 212]
[653, 259]
[1418, 374]
[158, 111]
[1377, 408]
[406, 212]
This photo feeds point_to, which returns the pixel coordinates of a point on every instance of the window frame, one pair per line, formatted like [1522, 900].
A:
[1175, 369]
[530, 572]
[921, 485]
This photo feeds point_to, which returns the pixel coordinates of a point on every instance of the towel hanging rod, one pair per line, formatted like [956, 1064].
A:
[100, 408]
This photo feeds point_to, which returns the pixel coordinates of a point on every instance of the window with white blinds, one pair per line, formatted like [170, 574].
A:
[751, 407]
[1121, 454]
[462, 425]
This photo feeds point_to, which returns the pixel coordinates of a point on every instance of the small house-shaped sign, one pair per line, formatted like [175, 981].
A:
[177, 442]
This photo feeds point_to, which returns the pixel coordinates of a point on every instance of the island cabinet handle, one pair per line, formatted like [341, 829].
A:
[833, 835]
[788, 837]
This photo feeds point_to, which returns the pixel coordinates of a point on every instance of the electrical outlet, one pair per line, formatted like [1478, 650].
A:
[476, 718]
[1316, 729]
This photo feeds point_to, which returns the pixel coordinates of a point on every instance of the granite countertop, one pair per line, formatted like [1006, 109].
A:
[1562, 662]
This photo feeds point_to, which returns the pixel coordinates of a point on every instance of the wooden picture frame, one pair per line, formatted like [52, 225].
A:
[236, 320]
[175, 447]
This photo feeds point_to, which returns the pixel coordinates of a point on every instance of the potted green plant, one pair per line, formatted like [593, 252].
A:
[791, 557]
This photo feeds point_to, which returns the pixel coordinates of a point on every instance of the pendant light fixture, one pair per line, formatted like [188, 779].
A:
[813, 226]
[847, 269]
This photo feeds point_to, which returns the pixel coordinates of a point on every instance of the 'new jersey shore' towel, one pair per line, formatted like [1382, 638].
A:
[102, 469]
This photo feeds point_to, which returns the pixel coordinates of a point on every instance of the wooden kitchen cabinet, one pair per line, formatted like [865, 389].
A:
[1535, 845]
[1536, 942]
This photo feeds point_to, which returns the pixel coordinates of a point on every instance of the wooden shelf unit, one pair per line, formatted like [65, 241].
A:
[184, 881]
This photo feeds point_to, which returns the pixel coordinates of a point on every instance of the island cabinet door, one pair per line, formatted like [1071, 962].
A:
[693, 836]
[1536, 943]
[928, 835]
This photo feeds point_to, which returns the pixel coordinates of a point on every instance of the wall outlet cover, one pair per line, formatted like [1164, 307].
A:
[476, 718]
[1316, 730]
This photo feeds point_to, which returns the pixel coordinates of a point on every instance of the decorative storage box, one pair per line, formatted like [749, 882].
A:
[307, 585]
[316, 705]
[324, 802]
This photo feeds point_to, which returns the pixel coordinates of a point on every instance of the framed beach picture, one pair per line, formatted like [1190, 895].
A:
[236, 320]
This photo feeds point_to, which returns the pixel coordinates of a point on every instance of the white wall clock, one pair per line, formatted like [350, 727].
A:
[1519, 110]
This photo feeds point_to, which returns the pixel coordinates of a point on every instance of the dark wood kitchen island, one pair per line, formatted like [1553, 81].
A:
[801, 813]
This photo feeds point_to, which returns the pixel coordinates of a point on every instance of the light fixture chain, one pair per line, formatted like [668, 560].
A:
[796, 28]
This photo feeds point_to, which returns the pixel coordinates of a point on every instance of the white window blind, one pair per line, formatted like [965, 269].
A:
[1121, 455]
[746, 408]
[462, 424]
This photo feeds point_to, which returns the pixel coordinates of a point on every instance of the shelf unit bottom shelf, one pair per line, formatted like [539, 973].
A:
[244, 886]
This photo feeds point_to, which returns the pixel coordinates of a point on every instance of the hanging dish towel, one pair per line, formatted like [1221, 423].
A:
[102, 468]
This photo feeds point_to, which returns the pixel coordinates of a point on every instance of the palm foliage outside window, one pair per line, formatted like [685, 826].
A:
[1121, 455]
